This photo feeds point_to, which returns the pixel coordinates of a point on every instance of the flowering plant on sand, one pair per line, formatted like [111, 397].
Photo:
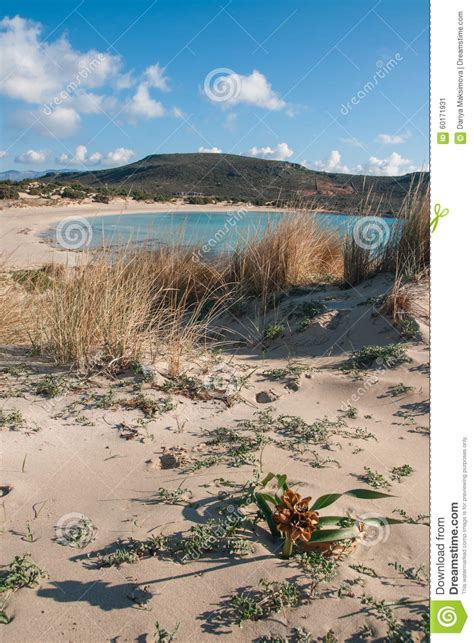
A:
[293, 519]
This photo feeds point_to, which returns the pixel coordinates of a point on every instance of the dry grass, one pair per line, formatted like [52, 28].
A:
[295, 251]
[113, 312]
[407, 251]
[112, 309]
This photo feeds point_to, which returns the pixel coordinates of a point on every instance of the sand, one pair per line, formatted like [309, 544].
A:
[74, 460]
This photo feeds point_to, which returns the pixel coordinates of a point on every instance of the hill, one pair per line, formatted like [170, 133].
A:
[241, 178]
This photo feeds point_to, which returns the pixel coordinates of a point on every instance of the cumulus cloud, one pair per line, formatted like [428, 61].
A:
[32, 157]
[210, 150]
[392, 139]
[28, 65]
[142, 105]
[333, 163]
[154, 75]
[119, 156]
[80, 157]
[392, 165]
[280, 152]
[59, 83]
[232, 89]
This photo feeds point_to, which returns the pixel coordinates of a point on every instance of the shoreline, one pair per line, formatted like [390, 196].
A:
[23, 242]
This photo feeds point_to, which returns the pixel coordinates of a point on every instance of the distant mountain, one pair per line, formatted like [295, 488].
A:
[19, 175]
[246, 179]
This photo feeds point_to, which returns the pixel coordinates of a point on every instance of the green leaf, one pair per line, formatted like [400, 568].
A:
[329, 535]
[267, 497]
[326, 521]
[4, 620]
[282, 481]
[268, 478]
[365, 494]
[267, 514]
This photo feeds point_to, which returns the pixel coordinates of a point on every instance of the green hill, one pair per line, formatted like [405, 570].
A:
[241, 178]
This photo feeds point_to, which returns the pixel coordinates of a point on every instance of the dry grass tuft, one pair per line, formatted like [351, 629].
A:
[296, 251]
[114, 312]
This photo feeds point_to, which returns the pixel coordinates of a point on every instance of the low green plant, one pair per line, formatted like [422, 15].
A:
[380, 356]
[51, 386]
[173, 496]
[374, 479]
[272, 332]
[12, 419]
[317, 568]
[163, 636]
[134, 550]
[400, 389]
[270, 598]
[397, 473]
[186, 385]
[418, 574]
[22, 572]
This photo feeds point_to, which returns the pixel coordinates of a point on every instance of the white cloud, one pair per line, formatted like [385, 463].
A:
[143, 105]
[29, 68]
[210, 150]
[61, 82]
[119, 156]
[333, 163]
[278, 153]
[61, 123]
[155, 77]
[253, 89]
[80, 157]
[392, 139]
[393, 165]
[177, 112]
[32, 156]
[3, 153]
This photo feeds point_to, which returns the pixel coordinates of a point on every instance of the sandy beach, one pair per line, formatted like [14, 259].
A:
[86, 451]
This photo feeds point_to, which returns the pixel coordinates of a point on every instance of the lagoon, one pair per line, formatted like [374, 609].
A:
[217, 231]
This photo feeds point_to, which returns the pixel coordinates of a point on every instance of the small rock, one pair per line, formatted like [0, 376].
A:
[266, 397]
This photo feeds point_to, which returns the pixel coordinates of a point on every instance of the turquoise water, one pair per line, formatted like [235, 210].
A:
[212, 231]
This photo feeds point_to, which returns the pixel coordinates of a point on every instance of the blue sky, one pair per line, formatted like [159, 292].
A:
[339, 85]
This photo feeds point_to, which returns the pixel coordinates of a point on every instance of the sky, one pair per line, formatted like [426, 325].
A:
[336, 85]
